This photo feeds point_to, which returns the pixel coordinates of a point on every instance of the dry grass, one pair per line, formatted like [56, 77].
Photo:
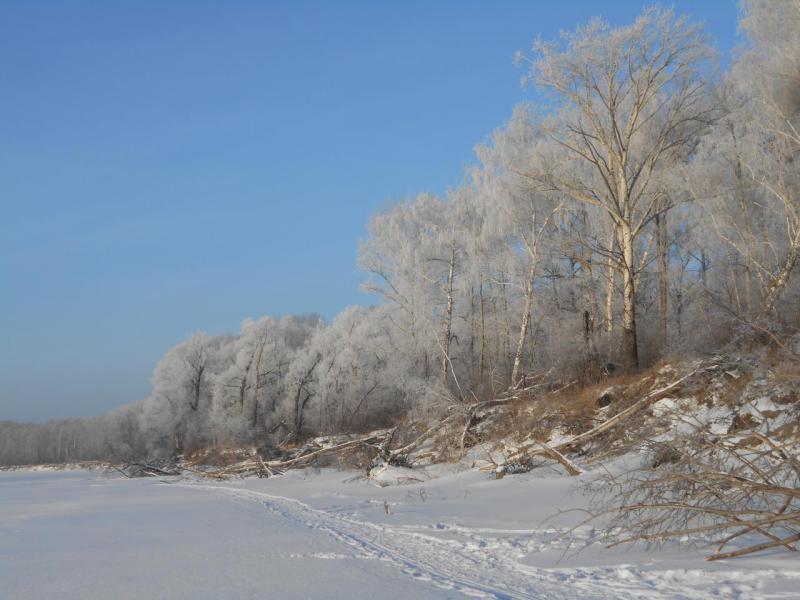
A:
[560, 411]
[218, 456]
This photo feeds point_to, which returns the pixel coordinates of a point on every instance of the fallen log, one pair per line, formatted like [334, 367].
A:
[568, 465]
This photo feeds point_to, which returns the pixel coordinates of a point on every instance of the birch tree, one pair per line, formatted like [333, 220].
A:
[630, 99]
[769, 75]
[519, 212]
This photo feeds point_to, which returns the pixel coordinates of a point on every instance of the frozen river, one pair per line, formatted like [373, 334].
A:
[85, 534]
[82, 535]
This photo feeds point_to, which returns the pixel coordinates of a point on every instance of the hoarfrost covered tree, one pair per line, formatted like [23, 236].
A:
[770, 71]
[518, 211]
[177, 412]
[753, 192]
[393, 260]
[301, 388]
[630, 99]
[248, 392]
[359, 378]
[413, 257]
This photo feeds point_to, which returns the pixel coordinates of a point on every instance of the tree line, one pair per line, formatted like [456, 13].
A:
[647, 206]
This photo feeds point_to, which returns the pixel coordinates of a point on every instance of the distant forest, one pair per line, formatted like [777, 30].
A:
[649, 207]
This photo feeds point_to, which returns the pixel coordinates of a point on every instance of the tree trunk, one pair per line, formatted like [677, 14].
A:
[197, 383]
[663, 275]
[611, 274]
[257, 382]
[300, 405]
[630, 347]
[243, 384]
[704, 279]
[506, 327]
[588, 332]
[739, 191]
[782, 278]
[482, 357]
[473, 325]
[448, 317]
[523, 326]
[733, 268]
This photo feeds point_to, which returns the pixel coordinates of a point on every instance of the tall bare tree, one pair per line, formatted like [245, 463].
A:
[630, 99]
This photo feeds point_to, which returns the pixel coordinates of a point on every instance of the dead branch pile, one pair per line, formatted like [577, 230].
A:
[155, 468]
[734, 491]
[252, 463]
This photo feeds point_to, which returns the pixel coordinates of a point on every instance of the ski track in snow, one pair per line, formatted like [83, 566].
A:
[485, 563]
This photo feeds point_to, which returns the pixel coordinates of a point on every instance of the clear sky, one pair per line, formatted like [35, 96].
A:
[168, 167]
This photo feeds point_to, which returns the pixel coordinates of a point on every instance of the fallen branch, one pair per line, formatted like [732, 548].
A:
[757, 548]
[568, 465]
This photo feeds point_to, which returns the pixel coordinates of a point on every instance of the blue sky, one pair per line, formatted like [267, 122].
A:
[178, 166]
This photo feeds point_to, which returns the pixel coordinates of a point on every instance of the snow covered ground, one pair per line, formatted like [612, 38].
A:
[328, 534]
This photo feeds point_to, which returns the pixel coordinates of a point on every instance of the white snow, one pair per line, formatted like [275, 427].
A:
[327, 534]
